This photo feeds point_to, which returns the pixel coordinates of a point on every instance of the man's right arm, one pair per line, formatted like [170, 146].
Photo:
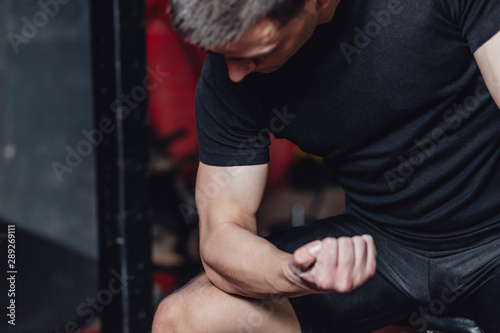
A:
[240, 262]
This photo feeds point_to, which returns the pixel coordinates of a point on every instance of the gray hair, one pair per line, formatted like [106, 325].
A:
[216, 23]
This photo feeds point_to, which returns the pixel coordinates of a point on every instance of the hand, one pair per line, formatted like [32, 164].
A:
[334, 265]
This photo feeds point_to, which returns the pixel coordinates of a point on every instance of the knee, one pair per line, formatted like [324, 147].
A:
[169, 316]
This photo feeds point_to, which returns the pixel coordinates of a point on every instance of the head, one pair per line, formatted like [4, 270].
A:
[254, 36]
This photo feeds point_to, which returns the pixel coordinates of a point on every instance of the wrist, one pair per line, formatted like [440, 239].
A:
[290, 284]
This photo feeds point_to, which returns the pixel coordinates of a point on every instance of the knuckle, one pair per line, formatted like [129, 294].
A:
[368, 239]
[358, 241]
[345, 286]
[347, 242]
[330, 242]
[324, 283]
[344, 239]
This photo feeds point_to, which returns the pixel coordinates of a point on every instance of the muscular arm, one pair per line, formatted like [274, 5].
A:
[488, 60]
[238, 261]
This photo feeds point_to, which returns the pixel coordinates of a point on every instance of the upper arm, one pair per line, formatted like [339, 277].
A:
[488, 60]
[229, 195]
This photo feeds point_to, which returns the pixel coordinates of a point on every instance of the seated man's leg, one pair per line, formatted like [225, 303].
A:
[482, 305]
[476, 278]
[200, 307]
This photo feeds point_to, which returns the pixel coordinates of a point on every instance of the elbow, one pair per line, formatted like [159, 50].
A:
[208, 264]
[216, 277]
[207, 253]
[209, 260]
[215, 268]
[212, 246]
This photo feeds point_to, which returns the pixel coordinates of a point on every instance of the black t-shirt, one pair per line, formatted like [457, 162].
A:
[390, 95]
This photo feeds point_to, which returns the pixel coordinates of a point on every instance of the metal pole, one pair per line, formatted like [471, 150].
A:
[120, 110]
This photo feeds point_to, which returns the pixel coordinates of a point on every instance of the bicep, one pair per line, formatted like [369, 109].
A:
[229, 195]
[488, 60]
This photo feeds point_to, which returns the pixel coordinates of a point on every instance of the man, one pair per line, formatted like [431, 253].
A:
[390, 93]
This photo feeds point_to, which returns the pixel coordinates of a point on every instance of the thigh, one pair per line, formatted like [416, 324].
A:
[200, 307]
[376, 304]
[480, 293]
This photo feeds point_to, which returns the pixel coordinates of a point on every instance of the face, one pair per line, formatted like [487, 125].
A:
[267, 46]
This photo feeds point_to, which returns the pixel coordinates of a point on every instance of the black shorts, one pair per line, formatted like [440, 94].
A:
[410, 280]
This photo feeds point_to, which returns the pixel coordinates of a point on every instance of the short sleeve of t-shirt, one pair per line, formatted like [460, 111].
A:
[479, 20]
[228, 119]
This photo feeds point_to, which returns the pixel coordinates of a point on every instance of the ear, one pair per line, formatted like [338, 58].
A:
[322, 4]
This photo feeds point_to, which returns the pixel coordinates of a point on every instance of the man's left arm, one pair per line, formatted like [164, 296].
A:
[488, 60]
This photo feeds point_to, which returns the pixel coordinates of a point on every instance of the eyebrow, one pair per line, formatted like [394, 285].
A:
[255, 56]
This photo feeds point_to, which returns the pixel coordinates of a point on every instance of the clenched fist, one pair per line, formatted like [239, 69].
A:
[334, 265]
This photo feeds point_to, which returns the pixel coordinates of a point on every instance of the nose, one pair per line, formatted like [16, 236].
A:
[238, 69]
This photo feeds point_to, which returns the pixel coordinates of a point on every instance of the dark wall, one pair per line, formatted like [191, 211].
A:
[45, 107]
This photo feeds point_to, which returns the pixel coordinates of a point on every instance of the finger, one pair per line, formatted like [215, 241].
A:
[360, 258]
[345, 263]
[371, 256]
[305, 257]
[324, 270]
[327, 258]
[345, 255]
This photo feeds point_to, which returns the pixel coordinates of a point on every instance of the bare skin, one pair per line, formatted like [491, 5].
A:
[241, 267]
[488, 60]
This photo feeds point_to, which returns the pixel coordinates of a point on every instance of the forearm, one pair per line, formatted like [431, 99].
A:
[240, 262]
